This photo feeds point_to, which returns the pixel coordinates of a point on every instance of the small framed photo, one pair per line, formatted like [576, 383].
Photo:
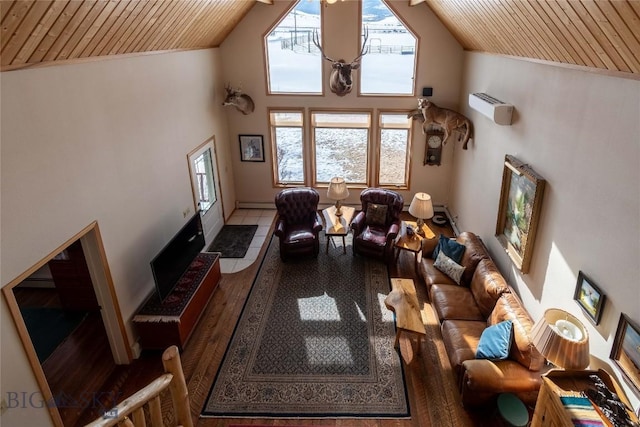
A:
[251, 148]
[589, 298]
[626, 350]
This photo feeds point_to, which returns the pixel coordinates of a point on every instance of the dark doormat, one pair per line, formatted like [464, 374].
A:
[233, 240]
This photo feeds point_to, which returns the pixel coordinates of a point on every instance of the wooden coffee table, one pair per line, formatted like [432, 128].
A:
[337, 225]
[403, 301]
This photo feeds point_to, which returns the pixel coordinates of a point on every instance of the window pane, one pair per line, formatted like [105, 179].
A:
[289, 154]
[389, 65]
[341, 152]
[393, 156]
[353, 119]
[294, 62]
[204, 175]
[286, 119]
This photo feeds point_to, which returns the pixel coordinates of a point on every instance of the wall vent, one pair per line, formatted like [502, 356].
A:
[498, 111]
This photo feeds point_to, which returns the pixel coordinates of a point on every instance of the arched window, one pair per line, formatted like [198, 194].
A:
[294, 63]
[389, 67]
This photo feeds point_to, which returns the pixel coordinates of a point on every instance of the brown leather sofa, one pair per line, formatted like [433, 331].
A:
[482, 299]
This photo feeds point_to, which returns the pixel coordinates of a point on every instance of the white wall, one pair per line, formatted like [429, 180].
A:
[439, 66]
[581, 132]
[106, 141]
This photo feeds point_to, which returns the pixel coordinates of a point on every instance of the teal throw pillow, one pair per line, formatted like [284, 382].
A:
[495, 341]
[450, 247]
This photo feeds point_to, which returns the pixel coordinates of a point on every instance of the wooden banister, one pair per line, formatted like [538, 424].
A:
[130, 412]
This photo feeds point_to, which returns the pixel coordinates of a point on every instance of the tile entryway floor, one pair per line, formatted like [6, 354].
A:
[260, 217]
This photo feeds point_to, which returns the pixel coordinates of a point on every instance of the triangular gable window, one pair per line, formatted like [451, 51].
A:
[294, 64]
[389, 66]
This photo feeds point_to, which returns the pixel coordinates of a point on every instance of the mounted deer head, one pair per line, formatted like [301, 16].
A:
[340, 81]
[241, 101]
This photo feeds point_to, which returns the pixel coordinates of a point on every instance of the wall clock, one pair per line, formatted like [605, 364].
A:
[433, 150]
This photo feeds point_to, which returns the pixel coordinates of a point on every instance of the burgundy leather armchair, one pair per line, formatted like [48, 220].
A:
[376, 226]
[298, 223]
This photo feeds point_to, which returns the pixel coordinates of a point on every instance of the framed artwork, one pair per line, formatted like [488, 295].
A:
[626, 350]
[519, 211]
[589, 297]
[251, 148]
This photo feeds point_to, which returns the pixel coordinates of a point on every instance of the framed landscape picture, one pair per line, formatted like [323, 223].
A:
[626, 350]
[251, 148]
[589, 297]
[519, 211]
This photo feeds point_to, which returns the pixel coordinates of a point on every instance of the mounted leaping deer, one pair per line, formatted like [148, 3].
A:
[448, 120]
[340, 81]
[241, 101]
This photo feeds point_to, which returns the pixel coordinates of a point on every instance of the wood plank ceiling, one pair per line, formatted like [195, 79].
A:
[601, 34]
[42, 31]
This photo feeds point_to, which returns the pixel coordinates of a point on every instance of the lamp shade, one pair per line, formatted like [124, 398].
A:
[421, 206]
[337, 189]
[562, 339]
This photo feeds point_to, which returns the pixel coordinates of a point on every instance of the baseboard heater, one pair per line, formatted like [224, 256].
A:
[498, 111]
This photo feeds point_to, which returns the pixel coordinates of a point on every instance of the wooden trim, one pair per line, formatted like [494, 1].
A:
[21, 327]
[112, 291]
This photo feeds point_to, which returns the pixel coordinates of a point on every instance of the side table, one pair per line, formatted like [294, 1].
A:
[337, 225]
[413, 243]
[554, 406]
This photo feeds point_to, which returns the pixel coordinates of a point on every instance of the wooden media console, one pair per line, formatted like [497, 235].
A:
[162, 324]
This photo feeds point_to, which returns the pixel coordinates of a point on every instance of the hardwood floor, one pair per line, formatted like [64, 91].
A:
[205, 350]
[80, 355]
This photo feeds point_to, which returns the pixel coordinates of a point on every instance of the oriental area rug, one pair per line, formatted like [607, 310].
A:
[314, 340]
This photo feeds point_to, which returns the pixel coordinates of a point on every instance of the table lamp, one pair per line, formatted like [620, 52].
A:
[422, 208]
[562, 339]
[338, 191]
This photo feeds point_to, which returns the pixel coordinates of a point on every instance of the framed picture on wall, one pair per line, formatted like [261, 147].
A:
[626, 350]
[589, 298]
[519, 211]
[251, 148]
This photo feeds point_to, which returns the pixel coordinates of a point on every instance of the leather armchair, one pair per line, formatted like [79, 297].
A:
[298, 223]
[375, 236]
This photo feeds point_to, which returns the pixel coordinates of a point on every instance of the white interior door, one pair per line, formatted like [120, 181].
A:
[205, 184]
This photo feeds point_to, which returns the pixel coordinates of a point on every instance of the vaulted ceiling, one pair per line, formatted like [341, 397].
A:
[601, 34]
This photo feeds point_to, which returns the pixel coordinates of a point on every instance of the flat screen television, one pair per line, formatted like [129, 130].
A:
[174, 259]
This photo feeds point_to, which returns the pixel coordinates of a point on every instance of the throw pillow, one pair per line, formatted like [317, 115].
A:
[495, 341]
[376, 214]
[451, 248]
[449, 267]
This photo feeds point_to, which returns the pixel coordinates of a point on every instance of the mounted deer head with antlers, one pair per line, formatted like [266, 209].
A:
[241, 101]
[340, 81]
